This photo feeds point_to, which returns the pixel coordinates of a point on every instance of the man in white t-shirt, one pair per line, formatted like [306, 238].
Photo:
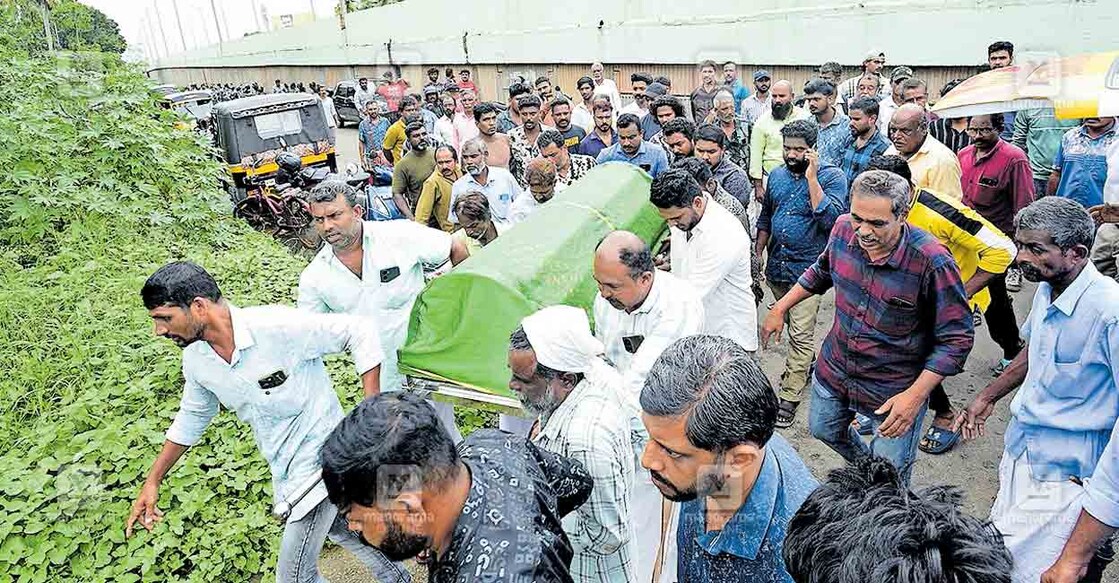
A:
[604, 86]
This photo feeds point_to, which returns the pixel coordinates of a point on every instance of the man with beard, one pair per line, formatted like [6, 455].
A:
[709, 411]
[433, 81]
[710, 146]
[582, 116]
[934, 166]
[902, 324]
[523, 138]
[569, 167]
[499, 151]
[489, 510]
[735, 128]
[363, 94]
[703, 97]
[561, 380]
[434, 206]
[834, 127]
[540, 176]
[603, 135]
[395, 137]
[561, 116]
[499, 186]
[371, 136]
[711, 251]
[766, 142]
[633, 149]
[804, 199]
[679, 136]
[511, 117]
[639, 82]
[265, 363]
[756, 105]
[411, 171]
[650, 125]
[866, 140]
[372, 269]
[478, 229]
[1057, 503]
[665, 109]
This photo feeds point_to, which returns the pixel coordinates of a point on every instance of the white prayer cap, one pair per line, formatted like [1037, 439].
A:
[562, 340]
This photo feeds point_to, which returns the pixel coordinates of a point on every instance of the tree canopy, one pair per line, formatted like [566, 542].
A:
[75, 27]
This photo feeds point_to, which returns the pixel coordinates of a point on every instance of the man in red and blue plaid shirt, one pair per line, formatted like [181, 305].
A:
[902, 324]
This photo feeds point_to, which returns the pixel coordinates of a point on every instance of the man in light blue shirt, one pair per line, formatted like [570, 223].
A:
[266, 365]
[1058, 500]
[632, 149]
[499, 186]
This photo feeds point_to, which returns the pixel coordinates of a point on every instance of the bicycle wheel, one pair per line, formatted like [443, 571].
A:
[255, 211]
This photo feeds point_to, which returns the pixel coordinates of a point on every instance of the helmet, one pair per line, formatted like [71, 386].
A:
[289, 163]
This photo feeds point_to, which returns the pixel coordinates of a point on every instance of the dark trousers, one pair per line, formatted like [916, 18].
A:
[1003, 328]
[1104, 556]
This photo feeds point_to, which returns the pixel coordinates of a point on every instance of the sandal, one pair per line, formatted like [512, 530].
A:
[938, 440]
[786, 412]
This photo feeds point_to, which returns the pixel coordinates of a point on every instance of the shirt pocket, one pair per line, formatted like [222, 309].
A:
[1062, 380]
[896, 316]
[282, 401]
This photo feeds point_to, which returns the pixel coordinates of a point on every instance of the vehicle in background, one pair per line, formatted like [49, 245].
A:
[197, 106]
[344, 105]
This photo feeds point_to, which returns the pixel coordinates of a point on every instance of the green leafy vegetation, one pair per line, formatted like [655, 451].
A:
[74, 27]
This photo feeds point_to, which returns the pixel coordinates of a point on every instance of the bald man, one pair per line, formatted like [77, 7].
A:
[934, 165]
[766, 144]
[638, 313]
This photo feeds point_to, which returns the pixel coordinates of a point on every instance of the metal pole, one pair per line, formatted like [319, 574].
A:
[162, 34]
[313, 15]
[217, 25]
[179, 20]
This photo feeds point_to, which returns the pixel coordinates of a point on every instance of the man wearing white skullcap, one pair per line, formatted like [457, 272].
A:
[561, 378]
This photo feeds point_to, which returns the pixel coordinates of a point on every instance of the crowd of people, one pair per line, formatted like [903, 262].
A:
[649, 446]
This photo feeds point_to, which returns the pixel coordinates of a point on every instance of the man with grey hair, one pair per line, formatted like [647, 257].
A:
[372, 269]
[1058, 500]
[498, 184]
[934, 165]
[902, 324]
[562, 380]
[734, 126]
[710, 412]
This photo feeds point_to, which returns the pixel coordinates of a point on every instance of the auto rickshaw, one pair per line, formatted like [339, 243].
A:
[252, 131]
[197, 106]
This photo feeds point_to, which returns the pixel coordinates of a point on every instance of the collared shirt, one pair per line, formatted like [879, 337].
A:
[393, 250]
[635, 109]
[580, 165]
[658, 139]
[797, 232]
[738, 143]
[730, 203]
[372, 134]
[592, 145]
[290, 421]
[997, 185]
[753, 108]
[1111, 186]
[434, 207]
[445, 131]
[767, 147]
[1065, 413]
[671, 311]
[886, 109]
[465, 129]
[501, 189]
[610, 89]
[589, 427]
[328, 110]
[893, 318]
[572, 137]
[748, 547]
[847, 89]
[649, 157]
[974, 241]
[395, 138]
[524, 150]
[715, 259]
[505, 123]
[524, 206]
[1038, 132]
[510, 528]
[581, 116]
[733, 179]
[1082, 161]
[934, 167]
[944, 133]
[363, 97]
[855, 159]
[832, 139]
[702, 102]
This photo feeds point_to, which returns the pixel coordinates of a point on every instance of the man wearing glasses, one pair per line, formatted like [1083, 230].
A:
[933, 164]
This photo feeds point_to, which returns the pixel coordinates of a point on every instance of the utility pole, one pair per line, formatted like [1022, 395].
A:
[162, 34]
[179, 20]
[48, 31]
[217, 25]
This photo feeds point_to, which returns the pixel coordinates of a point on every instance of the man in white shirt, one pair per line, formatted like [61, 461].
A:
[499, 186]
[540, 176]
[638, 312]
[604, 86]
[562, 380]
[328, 110]
[711, 251]
[640, 104]
[372, 269]
[363, 94]
[265, 364]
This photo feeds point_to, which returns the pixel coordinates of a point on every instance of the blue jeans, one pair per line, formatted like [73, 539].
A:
[303, 540]
[829, 420]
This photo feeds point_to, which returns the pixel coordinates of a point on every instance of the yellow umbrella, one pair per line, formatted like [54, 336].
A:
[1086, 85]
[992, 92]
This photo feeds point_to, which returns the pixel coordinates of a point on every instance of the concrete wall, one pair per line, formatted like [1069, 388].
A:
[947, 37]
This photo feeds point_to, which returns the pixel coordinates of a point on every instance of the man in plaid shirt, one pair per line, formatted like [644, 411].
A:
[902, 323]
[560, 377]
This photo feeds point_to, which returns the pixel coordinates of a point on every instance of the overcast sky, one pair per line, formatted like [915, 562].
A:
[140, 20]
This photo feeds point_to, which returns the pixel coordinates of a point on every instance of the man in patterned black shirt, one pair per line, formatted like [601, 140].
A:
[489, 511]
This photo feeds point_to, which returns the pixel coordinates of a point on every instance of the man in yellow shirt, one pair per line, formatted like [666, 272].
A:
[982, 252]
[767, 145]
[933, 164]
[396, 136]
[434, 205]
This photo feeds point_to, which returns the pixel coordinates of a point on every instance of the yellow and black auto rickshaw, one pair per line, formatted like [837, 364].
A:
[196, 106]
[252, 131]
